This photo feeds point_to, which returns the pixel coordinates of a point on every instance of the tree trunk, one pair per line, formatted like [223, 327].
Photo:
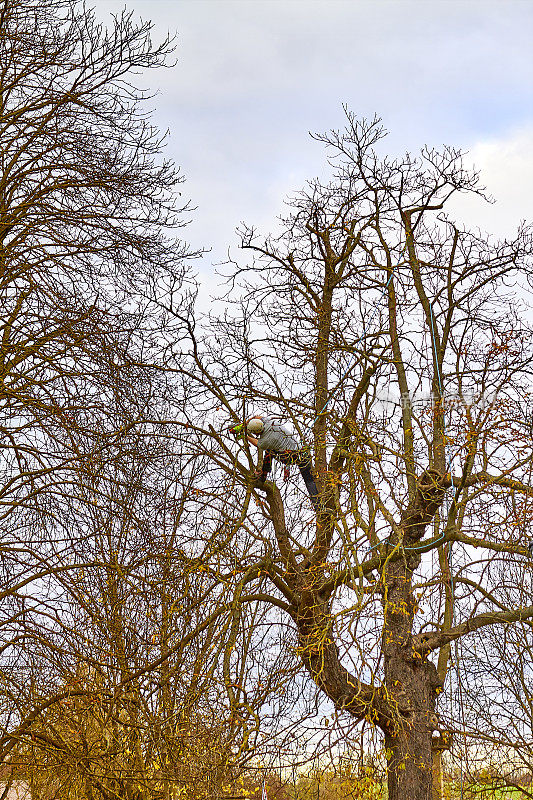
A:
[411, 681]
[409, 764]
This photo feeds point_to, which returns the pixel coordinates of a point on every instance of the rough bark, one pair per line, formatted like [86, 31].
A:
[321, 658]
[411, 681]
[411, 684]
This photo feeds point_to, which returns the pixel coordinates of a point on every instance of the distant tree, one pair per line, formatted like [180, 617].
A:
[124, 698]
[496, 685]
[88, 212]
[339, 781]
[393, 340]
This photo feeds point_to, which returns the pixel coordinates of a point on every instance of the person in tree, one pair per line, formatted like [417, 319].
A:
[276, 442]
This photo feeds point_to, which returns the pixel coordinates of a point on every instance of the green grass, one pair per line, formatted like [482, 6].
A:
[452, 791]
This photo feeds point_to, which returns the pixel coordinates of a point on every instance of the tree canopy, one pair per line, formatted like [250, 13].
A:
[394, 341]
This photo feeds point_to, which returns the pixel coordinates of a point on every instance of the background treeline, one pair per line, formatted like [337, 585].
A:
[108, 656]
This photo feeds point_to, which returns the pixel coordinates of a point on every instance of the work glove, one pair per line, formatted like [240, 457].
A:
[237, 430]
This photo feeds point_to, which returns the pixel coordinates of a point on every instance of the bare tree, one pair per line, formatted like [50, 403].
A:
[392, 339]
[84, 209]
[126, 690]
[88, 212]
[495, 674]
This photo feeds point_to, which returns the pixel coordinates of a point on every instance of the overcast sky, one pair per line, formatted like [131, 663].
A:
[255, 76]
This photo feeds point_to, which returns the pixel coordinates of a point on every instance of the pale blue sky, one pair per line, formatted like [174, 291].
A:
[254, 76]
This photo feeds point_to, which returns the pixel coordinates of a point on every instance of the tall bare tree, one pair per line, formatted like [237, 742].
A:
[393, 339]
[88, 212]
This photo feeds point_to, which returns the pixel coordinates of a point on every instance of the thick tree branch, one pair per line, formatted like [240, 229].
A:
[425, 643]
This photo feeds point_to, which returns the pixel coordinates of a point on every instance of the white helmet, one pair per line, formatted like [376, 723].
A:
[255, 426]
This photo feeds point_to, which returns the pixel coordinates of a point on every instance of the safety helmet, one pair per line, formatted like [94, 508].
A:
[255, 426]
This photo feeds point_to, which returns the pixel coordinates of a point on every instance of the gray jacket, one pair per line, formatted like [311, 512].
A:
[275, 437]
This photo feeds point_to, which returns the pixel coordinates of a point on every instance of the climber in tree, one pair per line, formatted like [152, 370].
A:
[276, 442]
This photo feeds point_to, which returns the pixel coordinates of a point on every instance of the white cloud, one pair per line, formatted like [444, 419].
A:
[254, 76]
[506, 168]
